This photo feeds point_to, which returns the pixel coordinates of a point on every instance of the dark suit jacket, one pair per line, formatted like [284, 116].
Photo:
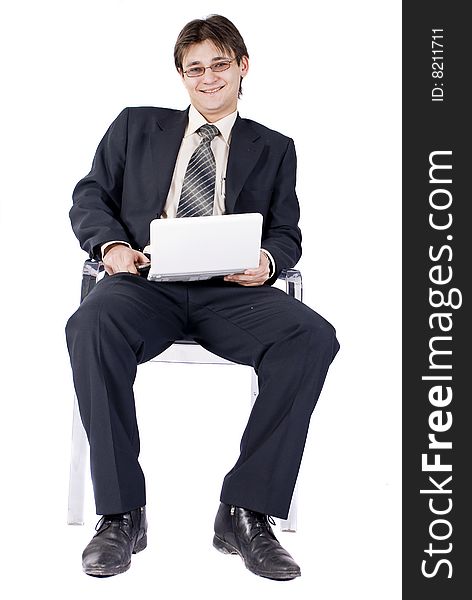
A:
[131, 174]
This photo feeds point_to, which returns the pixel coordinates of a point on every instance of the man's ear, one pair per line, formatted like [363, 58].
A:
[244, 66]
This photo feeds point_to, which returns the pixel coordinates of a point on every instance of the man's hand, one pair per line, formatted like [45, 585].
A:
[122, 259]
[252, 277]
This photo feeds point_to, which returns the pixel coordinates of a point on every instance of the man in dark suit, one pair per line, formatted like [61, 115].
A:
[155, 162]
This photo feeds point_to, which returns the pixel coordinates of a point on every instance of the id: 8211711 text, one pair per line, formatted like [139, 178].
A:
[437, 72]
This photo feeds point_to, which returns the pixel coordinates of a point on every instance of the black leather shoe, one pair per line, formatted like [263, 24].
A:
[118, 536]
[249, 534]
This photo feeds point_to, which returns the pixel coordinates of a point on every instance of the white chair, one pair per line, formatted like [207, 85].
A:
[180, 352]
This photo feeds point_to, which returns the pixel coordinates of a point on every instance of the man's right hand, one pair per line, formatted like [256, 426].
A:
[122, 259]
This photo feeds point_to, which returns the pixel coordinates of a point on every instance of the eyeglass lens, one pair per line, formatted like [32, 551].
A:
[216, 68]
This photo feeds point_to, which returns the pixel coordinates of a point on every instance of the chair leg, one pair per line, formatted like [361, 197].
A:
[75, 513]
[254, 388]
[290, 523]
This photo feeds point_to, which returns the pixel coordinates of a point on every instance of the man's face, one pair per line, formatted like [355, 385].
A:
[214, 95]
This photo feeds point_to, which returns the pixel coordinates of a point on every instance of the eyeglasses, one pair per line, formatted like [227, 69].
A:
[218, 67]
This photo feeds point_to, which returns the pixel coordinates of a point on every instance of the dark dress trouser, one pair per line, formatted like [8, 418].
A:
[127, 320]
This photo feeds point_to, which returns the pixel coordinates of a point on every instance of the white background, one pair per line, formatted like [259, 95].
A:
[328, 75]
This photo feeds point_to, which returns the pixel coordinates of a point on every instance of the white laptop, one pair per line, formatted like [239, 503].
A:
[197, 248]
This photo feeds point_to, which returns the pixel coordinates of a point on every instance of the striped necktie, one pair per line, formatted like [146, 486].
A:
[198, 189]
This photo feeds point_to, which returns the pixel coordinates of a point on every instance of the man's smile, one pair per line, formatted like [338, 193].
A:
[213, 91]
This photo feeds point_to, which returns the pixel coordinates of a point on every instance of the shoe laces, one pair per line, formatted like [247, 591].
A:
[266, 521]
[263, 523]
[110, 519]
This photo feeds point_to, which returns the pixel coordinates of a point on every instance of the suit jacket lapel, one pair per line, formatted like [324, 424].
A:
[165, 145]
[245, 149]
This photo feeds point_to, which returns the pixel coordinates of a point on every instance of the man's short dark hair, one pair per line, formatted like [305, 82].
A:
[217, 29]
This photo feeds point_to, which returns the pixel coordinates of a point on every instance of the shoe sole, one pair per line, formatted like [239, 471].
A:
[107, 572]
[226, 548]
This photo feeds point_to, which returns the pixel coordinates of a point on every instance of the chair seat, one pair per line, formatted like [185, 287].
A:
[188, 351]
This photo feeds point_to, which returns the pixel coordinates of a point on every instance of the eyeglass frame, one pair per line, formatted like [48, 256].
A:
[226, 60]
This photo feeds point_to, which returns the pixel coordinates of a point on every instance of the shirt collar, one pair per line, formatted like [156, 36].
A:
[196, 120]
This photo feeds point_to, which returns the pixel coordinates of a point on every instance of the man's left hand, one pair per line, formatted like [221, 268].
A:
[252, 277]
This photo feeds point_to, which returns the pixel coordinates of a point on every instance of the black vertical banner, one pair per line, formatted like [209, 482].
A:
[437, 267]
